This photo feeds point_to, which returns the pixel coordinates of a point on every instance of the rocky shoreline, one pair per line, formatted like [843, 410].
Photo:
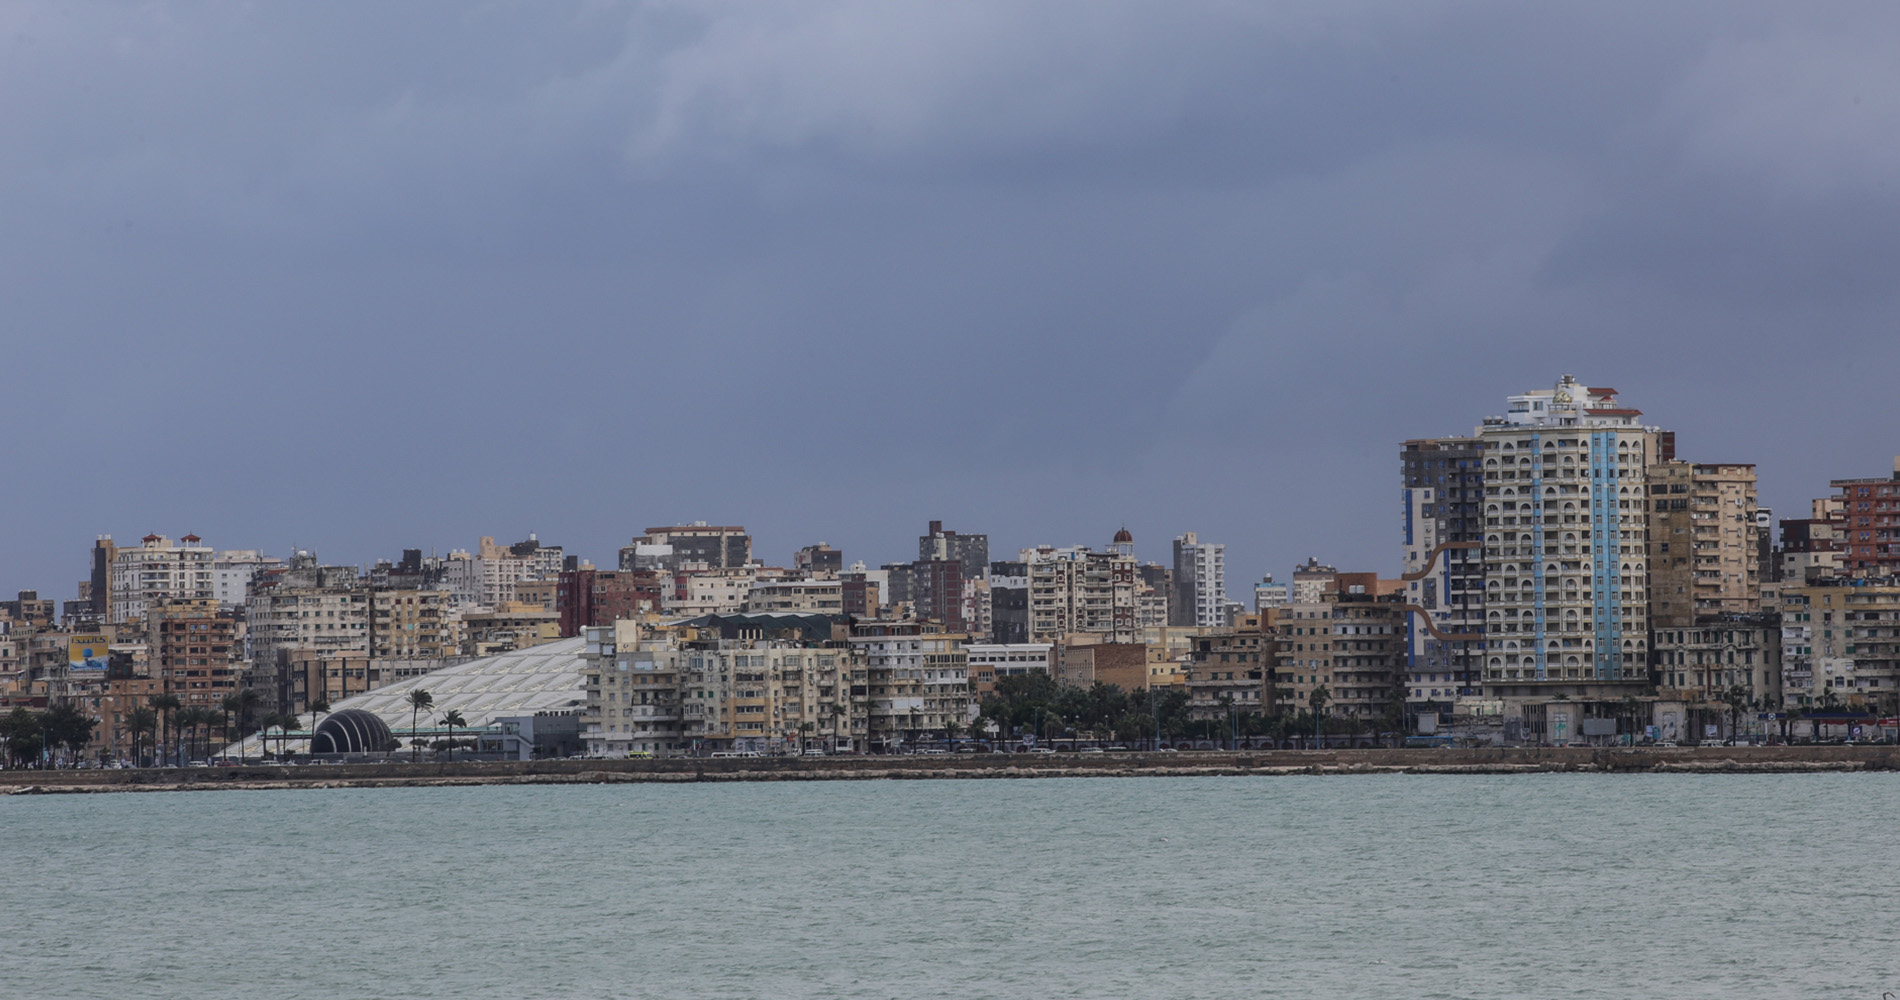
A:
[1264, 763]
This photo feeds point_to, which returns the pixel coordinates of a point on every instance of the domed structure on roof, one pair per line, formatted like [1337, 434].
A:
[352, 731]
[1124, 536]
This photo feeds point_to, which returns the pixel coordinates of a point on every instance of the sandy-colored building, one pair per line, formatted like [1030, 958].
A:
[1703, 557]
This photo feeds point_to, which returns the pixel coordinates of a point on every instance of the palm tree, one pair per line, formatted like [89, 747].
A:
[837, 712]
[950, 731]
[245, 701]
[167, 705]
[197, 721]
[139, 721]
[1737, 698]
[418, 700]
[1316, 703]
[453, 719]
[317, 708]
[805, 730]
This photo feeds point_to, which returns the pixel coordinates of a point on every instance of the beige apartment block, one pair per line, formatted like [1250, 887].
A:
[411, 624]
[1702, 542]
[818, 597]
[659, 691]
[1841, 644]
[918, 679]
[159, 570]
[1077, 590]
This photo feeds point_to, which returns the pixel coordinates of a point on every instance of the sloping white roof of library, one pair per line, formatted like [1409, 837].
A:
[537, 679]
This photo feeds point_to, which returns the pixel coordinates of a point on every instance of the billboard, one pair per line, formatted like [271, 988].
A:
[87, 652]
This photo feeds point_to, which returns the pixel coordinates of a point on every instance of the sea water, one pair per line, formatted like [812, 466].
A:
[1371, 886]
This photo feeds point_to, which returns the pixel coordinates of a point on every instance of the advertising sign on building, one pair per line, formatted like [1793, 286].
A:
[87, 652]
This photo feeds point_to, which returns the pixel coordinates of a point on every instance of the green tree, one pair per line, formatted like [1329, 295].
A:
[24, 735]
[419, 699]
[805, 729]
[66, 726]
[453, 720]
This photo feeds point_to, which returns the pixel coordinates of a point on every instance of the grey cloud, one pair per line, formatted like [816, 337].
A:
[831, 269]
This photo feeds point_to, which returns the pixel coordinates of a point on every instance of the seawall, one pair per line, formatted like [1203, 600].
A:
[1499, 760]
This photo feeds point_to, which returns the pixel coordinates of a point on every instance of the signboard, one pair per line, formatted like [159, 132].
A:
[1653, 732]
[87, 652]
[1599, 727]
[1709, 731]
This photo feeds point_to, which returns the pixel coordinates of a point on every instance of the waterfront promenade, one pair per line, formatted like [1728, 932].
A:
[1499, 760]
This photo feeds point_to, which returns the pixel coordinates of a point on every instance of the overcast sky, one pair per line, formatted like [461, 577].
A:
[355, 277]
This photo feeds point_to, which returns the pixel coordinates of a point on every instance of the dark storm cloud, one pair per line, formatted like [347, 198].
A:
[407, 274]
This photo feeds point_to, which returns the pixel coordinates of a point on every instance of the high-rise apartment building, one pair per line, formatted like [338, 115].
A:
[1703, 550]
[195, 646]
[689, 546]
[410, 625]
[1870, 524]
[970, 552]
[1566, 543]
[588, 596]
[159, 570]
[302, 606]
[1200, 583]
[232, 573]
[1075, 589]
[1443, 482]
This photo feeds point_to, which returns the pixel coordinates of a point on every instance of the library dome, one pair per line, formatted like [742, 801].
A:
[351, 730]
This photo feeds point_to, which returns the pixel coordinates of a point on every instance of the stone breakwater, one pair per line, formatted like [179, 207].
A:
[1527, 760]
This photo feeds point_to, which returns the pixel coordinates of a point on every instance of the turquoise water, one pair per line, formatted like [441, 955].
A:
[1376, 886]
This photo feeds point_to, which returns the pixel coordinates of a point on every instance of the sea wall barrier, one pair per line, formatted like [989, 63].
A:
[1494, 760]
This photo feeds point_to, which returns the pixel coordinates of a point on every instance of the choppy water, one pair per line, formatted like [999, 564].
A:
[1389, 886]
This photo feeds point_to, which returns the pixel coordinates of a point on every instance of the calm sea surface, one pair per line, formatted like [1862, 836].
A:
[1391, 886]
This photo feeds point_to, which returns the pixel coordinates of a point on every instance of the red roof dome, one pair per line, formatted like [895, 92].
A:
[1123, 536]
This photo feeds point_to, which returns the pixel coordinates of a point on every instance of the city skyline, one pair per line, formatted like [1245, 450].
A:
[1377, 538]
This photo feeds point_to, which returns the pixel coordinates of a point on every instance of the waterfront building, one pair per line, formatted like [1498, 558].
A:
[1841, 643]
[1566, 544]
[1703, 664]
[992, 661]
[918, 679]
[195, 647]
[1228, 672]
